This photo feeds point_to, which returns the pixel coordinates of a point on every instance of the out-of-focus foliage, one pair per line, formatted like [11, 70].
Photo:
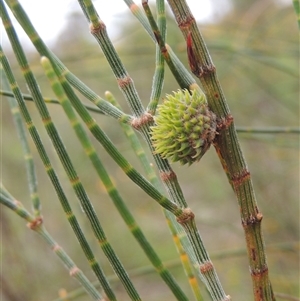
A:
[255, 50]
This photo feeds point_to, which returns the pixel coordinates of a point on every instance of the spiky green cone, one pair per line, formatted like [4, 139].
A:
[185, 127]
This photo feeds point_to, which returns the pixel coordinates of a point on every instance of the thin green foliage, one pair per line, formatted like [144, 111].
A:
[239, 129]
[108, 184]
[179, 236]
[39, 145]
[36, 224]
[143, 122]
[29, 164]
[180, 218]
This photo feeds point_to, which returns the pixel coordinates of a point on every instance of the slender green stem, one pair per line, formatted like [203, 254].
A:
[36, 224]
[142, 122]
[108, 183]
[39, 146]
[128, 169]
[49, 100]
[158, 78]
[29, 164]
[41, 47]
[268, 130]
[239, 129]
[161, 43]
[228, 148]
[139, 14]
[178, 234]
[183, 77]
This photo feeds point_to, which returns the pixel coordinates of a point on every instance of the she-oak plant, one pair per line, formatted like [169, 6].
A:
[189, 119]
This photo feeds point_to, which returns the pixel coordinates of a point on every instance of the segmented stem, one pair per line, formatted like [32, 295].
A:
[158, 78]
[239, 129]
[228, 149]
[39, 145]
[182, 76]
[108, 183]
[29, 164]
[36, 224]
[179, 236]
[142, 123]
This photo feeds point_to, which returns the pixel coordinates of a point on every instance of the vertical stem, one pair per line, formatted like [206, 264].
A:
[142, 123]
[29, 163]
[158, 79]
[228, 149]
[179, 236]
[50, 171]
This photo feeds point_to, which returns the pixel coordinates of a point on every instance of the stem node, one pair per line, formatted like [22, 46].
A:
[35, 223]
[186, 216]
[138, 122]
[206, 267]
[97, 29]
[168, 176]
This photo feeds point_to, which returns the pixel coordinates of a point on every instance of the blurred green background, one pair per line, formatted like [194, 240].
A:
[255, 49]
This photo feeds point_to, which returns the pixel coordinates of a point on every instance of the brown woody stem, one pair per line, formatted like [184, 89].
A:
[228, 149]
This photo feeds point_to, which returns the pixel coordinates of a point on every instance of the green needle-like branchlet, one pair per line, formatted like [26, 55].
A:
[143, 122]
[39, 145]
[239, 129]
[128, 169]
[179, 236]
[36, 224]
[161, 43]
[158, 78]
[29, 164]
[108, 183]
[182, 76]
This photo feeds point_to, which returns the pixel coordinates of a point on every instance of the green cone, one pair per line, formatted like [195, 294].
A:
[185, 127]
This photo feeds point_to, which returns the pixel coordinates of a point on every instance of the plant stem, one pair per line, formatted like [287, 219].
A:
[179, 236]
[40, 147]
[228, 149]
[142, 123]
[108, 183]
[239, 129]
[36, 224]
[158, 78]
[29, 163]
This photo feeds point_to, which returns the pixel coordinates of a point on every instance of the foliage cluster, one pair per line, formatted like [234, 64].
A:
[255, 52]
